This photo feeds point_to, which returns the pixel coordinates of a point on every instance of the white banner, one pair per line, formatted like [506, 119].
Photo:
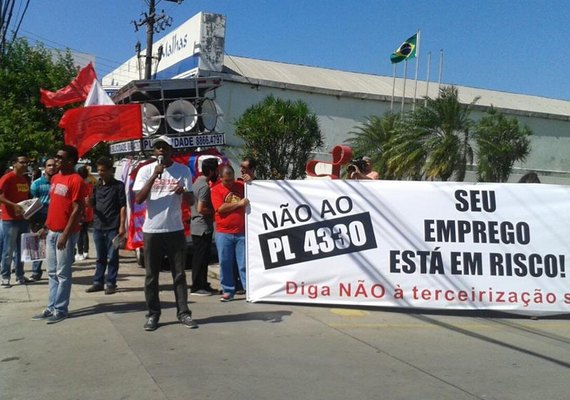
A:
[410, 244]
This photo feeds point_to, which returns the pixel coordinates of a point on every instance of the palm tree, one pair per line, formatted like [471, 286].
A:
[500, 142]
[433, 141]
[281, 135]
[372, 138]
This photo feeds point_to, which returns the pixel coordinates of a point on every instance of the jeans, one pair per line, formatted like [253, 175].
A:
[156, 246]
[231, 247]
[12, 235]
[59, 271]
[83, 240]
[200, 260]
[107, 257]
[37, 268]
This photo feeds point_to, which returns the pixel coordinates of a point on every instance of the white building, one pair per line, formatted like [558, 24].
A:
[342, 100]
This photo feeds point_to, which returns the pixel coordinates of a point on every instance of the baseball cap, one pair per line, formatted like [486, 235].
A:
[163, 138]
[366, 158]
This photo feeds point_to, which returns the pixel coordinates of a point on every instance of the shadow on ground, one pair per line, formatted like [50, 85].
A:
[266, 316]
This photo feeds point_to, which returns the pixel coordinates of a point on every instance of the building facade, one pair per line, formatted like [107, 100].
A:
[344, 100]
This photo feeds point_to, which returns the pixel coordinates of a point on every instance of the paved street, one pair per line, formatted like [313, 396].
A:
[269, 351]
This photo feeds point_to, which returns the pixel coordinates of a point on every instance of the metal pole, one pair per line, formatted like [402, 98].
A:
[149, 38]
[440, 68]
[404, 90]
[393, 87]
[428, 76]
[417, 65]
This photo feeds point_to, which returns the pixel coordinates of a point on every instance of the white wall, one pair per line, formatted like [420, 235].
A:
[339, 115]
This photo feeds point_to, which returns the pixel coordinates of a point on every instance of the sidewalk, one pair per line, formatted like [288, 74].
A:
[268, 351]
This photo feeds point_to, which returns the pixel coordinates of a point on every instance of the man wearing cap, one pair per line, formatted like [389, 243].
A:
[163, 184]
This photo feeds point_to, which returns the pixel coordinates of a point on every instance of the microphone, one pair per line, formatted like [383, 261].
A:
[160, 160]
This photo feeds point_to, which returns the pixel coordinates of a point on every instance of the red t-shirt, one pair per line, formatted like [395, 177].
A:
[233, 222]
[64, 191]
[14, 188]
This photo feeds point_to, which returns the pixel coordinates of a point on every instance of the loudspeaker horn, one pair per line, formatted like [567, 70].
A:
[209, 113]
[181, 115]
[151, 119]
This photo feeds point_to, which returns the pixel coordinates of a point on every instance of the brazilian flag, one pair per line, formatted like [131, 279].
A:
[405, 51]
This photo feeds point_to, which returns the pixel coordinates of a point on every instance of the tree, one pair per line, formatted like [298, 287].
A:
[281, 135]
[501, 141]
[372, 139]
[26, 126]
[432, 142]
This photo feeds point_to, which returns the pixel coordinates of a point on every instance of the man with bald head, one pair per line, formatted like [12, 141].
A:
[229, 206]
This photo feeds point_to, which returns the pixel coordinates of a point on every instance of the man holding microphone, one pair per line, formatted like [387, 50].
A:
[163, 185]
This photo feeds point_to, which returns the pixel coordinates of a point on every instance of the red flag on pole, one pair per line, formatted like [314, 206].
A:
[86, 126]
[75, 92]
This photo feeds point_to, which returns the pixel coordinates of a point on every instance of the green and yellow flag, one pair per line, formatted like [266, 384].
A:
[405, 51]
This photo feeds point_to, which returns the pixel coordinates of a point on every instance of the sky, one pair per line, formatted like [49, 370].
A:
[516, 46]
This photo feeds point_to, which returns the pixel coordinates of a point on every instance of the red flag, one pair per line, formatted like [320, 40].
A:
[86, 126]
[75, 92]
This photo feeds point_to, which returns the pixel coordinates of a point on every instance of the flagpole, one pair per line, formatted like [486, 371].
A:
[440, 68]
[404, 90]
[417, 65]
[428, 75]
[393, 87]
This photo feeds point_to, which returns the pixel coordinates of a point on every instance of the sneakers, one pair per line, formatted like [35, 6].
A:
[151, 323]
[23, 280]
[55, 318]
[240, 292]
[110, 290]
[95, 288]
[80, 257]
[44, 315]
[226, 297]
[200, 292]
[6, 283]
[35, 278]
[187, 320]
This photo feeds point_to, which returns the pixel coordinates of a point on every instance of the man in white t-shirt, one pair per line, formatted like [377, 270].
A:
[164, 184]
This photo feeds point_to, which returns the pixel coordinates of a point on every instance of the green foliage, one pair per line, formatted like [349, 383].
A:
[501, 141]
[281, 135]
[26, 126]
[372, 139]
[432, 142]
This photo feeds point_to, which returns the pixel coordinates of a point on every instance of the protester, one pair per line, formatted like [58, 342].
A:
[14, 187]
[40, 189]
[109, 204]
[229, 205]
[366, 173]
[67, 200]
[247, 169]
[164, 184]
[530, 177]
[202, 228]
[36, 174]
[2, 168]
[87, 217]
